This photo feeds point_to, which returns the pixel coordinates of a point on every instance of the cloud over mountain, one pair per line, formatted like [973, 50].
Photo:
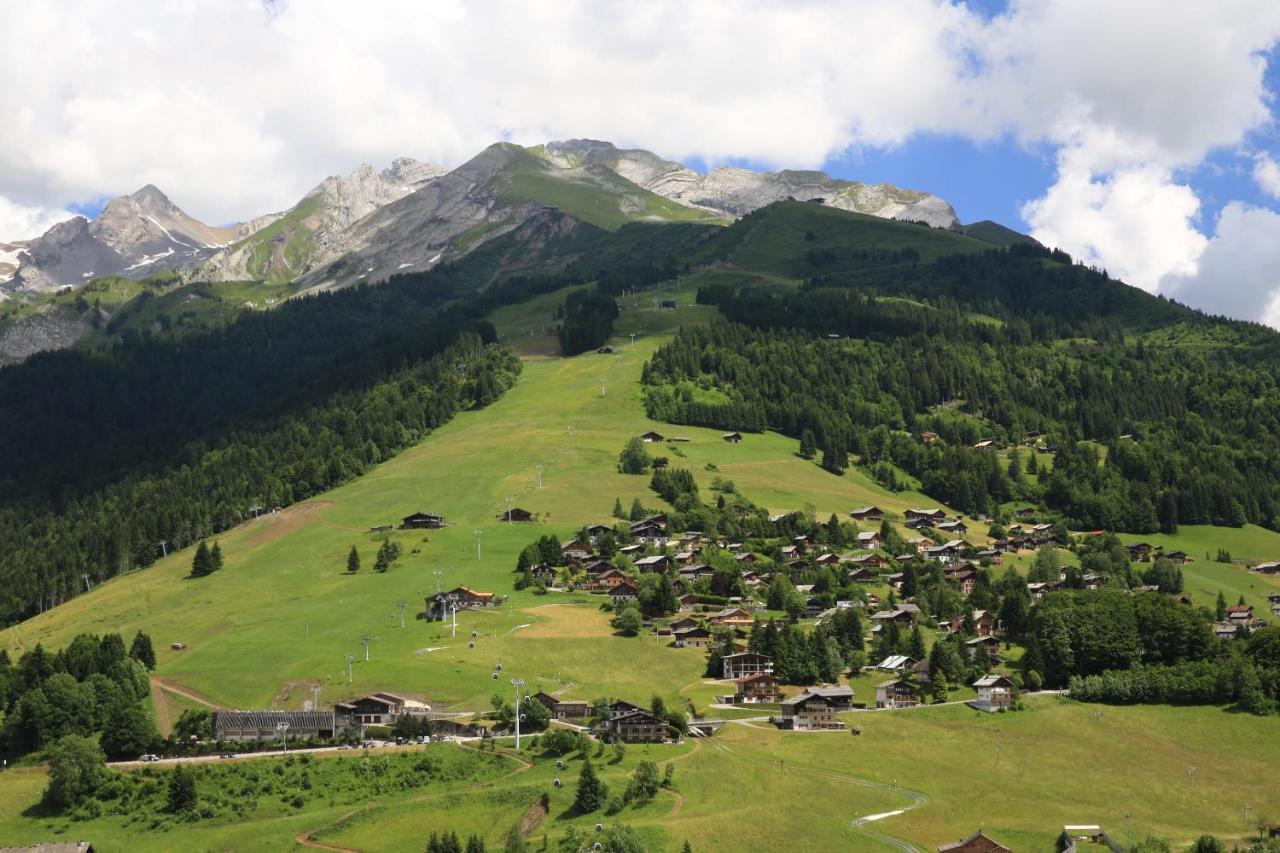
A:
[237, 108]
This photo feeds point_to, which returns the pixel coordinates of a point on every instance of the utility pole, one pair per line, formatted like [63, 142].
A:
[602, 387]
[539, 475]
[571, 435]
[87, 586]
[518, 684]
[283, 728]
[350, 659]
[164, 547]
[366, 639]
[509, 500]
[402, 605]
[479, 531]
[453, 607]
[633, 338]
[438, 573]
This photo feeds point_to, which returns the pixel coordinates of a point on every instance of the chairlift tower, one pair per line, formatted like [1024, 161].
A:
[282, 728]
[438, 573]
[350, 660]
[402, 605]
[366, 639]
[518, 684]
[539, 475]
[479, 531]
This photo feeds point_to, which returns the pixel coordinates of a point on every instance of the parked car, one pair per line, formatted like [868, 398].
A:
[150, 757]
[227, 755]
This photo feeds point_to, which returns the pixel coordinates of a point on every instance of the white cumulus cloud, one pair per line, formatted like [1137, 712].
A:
[1266, 172]
[20, 222]
[1238, 273]
[238, 107]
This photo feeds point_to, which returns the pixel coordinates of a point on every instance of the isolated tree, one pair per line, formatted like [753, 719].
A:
[202, 562]
[617, 509]
[1208, 844]
[353, 560]
[592, 791]
[182, 790]
[215, 556]
[644, 783]
[634, 459]
[628, 621]
[1220, 608]
[142, 651]
[76, 768]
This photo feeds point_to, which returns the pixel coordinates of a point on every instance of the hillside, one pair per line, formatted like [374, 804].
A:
[302, 609]
[798, 317]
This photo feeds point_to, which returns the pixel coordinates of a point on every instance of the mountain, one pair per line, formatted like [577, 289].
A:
[281, 246]
[594, 182]
[735, 191]
[410, 216]
[491, 194]
[135, 235]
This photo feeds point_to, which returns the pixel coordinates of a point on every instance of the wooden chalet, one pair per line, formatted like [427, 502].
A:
[979, 842]
[422, 521]
[458, 598]
[1139, 552]
[896, 694]
[544, 574]
[928, 437]
[827, 559]
[897, 663]
[637, 726]
[1270, 568]
[743, 664]
[1240, 614]
[862, 574]
[608, 579]
[994, 692]
[652, 437]
[732, 617]
[808, 712]
[840, 696]
[516, 514]
[868, 513]
[956, 526]
[760, 687]
[984, 622]
[655, 563]
[933, 515]
[964, 577]
[869, 539]
[564, 709]
[380, 709]
[903, 614]
[624, 592]
[595, 531]
[732, 437]
[695, 637]
[991, 644]
[576, 550]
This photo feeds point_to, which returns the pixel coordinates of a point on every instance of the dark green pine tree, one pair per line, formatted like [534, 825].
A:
[353, 560]
[215, 557]
[142, 651]
[202, 562]
[592, 791]
[182, 790]
[915, 646]
[808, 444]
[1220, 609]
[617, 509]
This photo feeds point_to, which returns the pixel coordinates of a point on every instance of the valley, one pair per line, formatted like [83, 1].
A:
[282, 614]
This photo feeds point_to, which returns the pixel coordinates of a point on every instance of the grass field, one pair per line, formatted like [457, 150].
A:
[283, 612]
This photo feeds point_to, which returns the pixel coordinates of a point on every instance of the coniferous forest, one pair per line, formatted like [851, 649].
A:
[1143, 436]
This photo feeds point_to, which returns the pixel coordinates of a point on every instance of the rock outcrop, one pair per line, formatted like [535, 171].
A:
[736, 191]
